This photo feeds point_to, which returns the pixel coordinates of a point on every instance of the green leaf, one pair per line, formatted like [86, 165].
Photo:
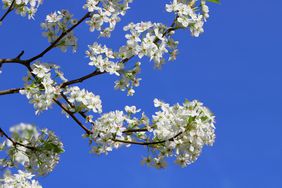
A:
[214, 1]
[53, 147]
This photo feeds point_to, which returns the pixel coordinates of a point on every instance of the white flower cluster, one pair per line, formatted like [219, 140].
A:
[112, 126]
[188, 15]
[148, 39]
[24, 7]
[178, 131]
[41, 90]
[100, 57]
[39, 152]
[153, 40]
[145, 39]
[205, 10]
[109, 12]
[187, 128]
[20, 180]
[55, 24]
[108, 127]
[83, 100]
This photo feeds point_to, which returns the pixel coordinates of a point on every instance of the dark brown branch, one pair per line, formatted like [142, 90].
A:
[147, 143]
[66, 99]
[90, 75]
[2, 133]
[81, 79]
[46, 50]
[129, 131]
[135, 130]
[73, 117]
[20, 55]
[10, 91]
[13, 60]
[10, 9]
[53, 44]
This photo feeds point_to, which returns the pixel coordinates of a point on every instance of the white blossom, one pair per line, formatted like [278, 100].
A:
[179, 131]
[39, 150]
[186, 128]
[108, 127]
[54, 17]
[131, 109]
[188, 15]
[55, 24]
[41, 90]
[82, 100]
[100, 57]
[20, 180]
[24, 7]
[106, 12]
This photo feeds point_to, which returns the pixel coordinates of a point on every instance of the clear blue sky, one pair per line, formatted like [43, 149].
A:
[234, 68]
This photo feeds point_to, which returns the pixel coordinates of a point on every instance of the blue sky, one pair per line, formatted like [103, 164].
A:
[234, 68]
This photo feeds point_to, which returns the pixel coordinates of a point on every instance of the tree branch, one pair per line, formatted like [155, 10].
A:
[135, 130]
[10, 9]
[2, 133]
[147, 143]
[13, 60]
[10, 91]
[78, 80]
[69, 103]
[46, 50]
[97, 72]
[73, 117]
[53, 44]
[81, 79]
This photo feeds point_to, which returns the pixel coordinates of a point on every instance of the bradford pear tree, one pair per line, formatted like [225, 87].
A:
[178, 131]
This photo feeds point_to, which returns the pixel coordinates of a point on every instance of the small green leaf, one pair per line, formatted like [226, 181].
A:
[53, 147]
[214, 1]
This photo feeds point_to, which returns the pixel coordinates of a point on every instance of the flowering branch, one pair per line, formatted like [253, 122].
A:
[63, 34]
[147, 143]
[98, 72]
[73, 117]
[2, 133]
[46, 50]
[179, 130]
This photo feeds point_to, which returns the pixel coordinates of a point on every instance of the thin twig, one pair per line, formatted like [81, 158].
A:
[135, 130]
[10, 91]
[13, 60]
[46, 50]
[71, 105]
[73, 117]
[2, 132]
[147, 143]
[63, 34]
[10, 9]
